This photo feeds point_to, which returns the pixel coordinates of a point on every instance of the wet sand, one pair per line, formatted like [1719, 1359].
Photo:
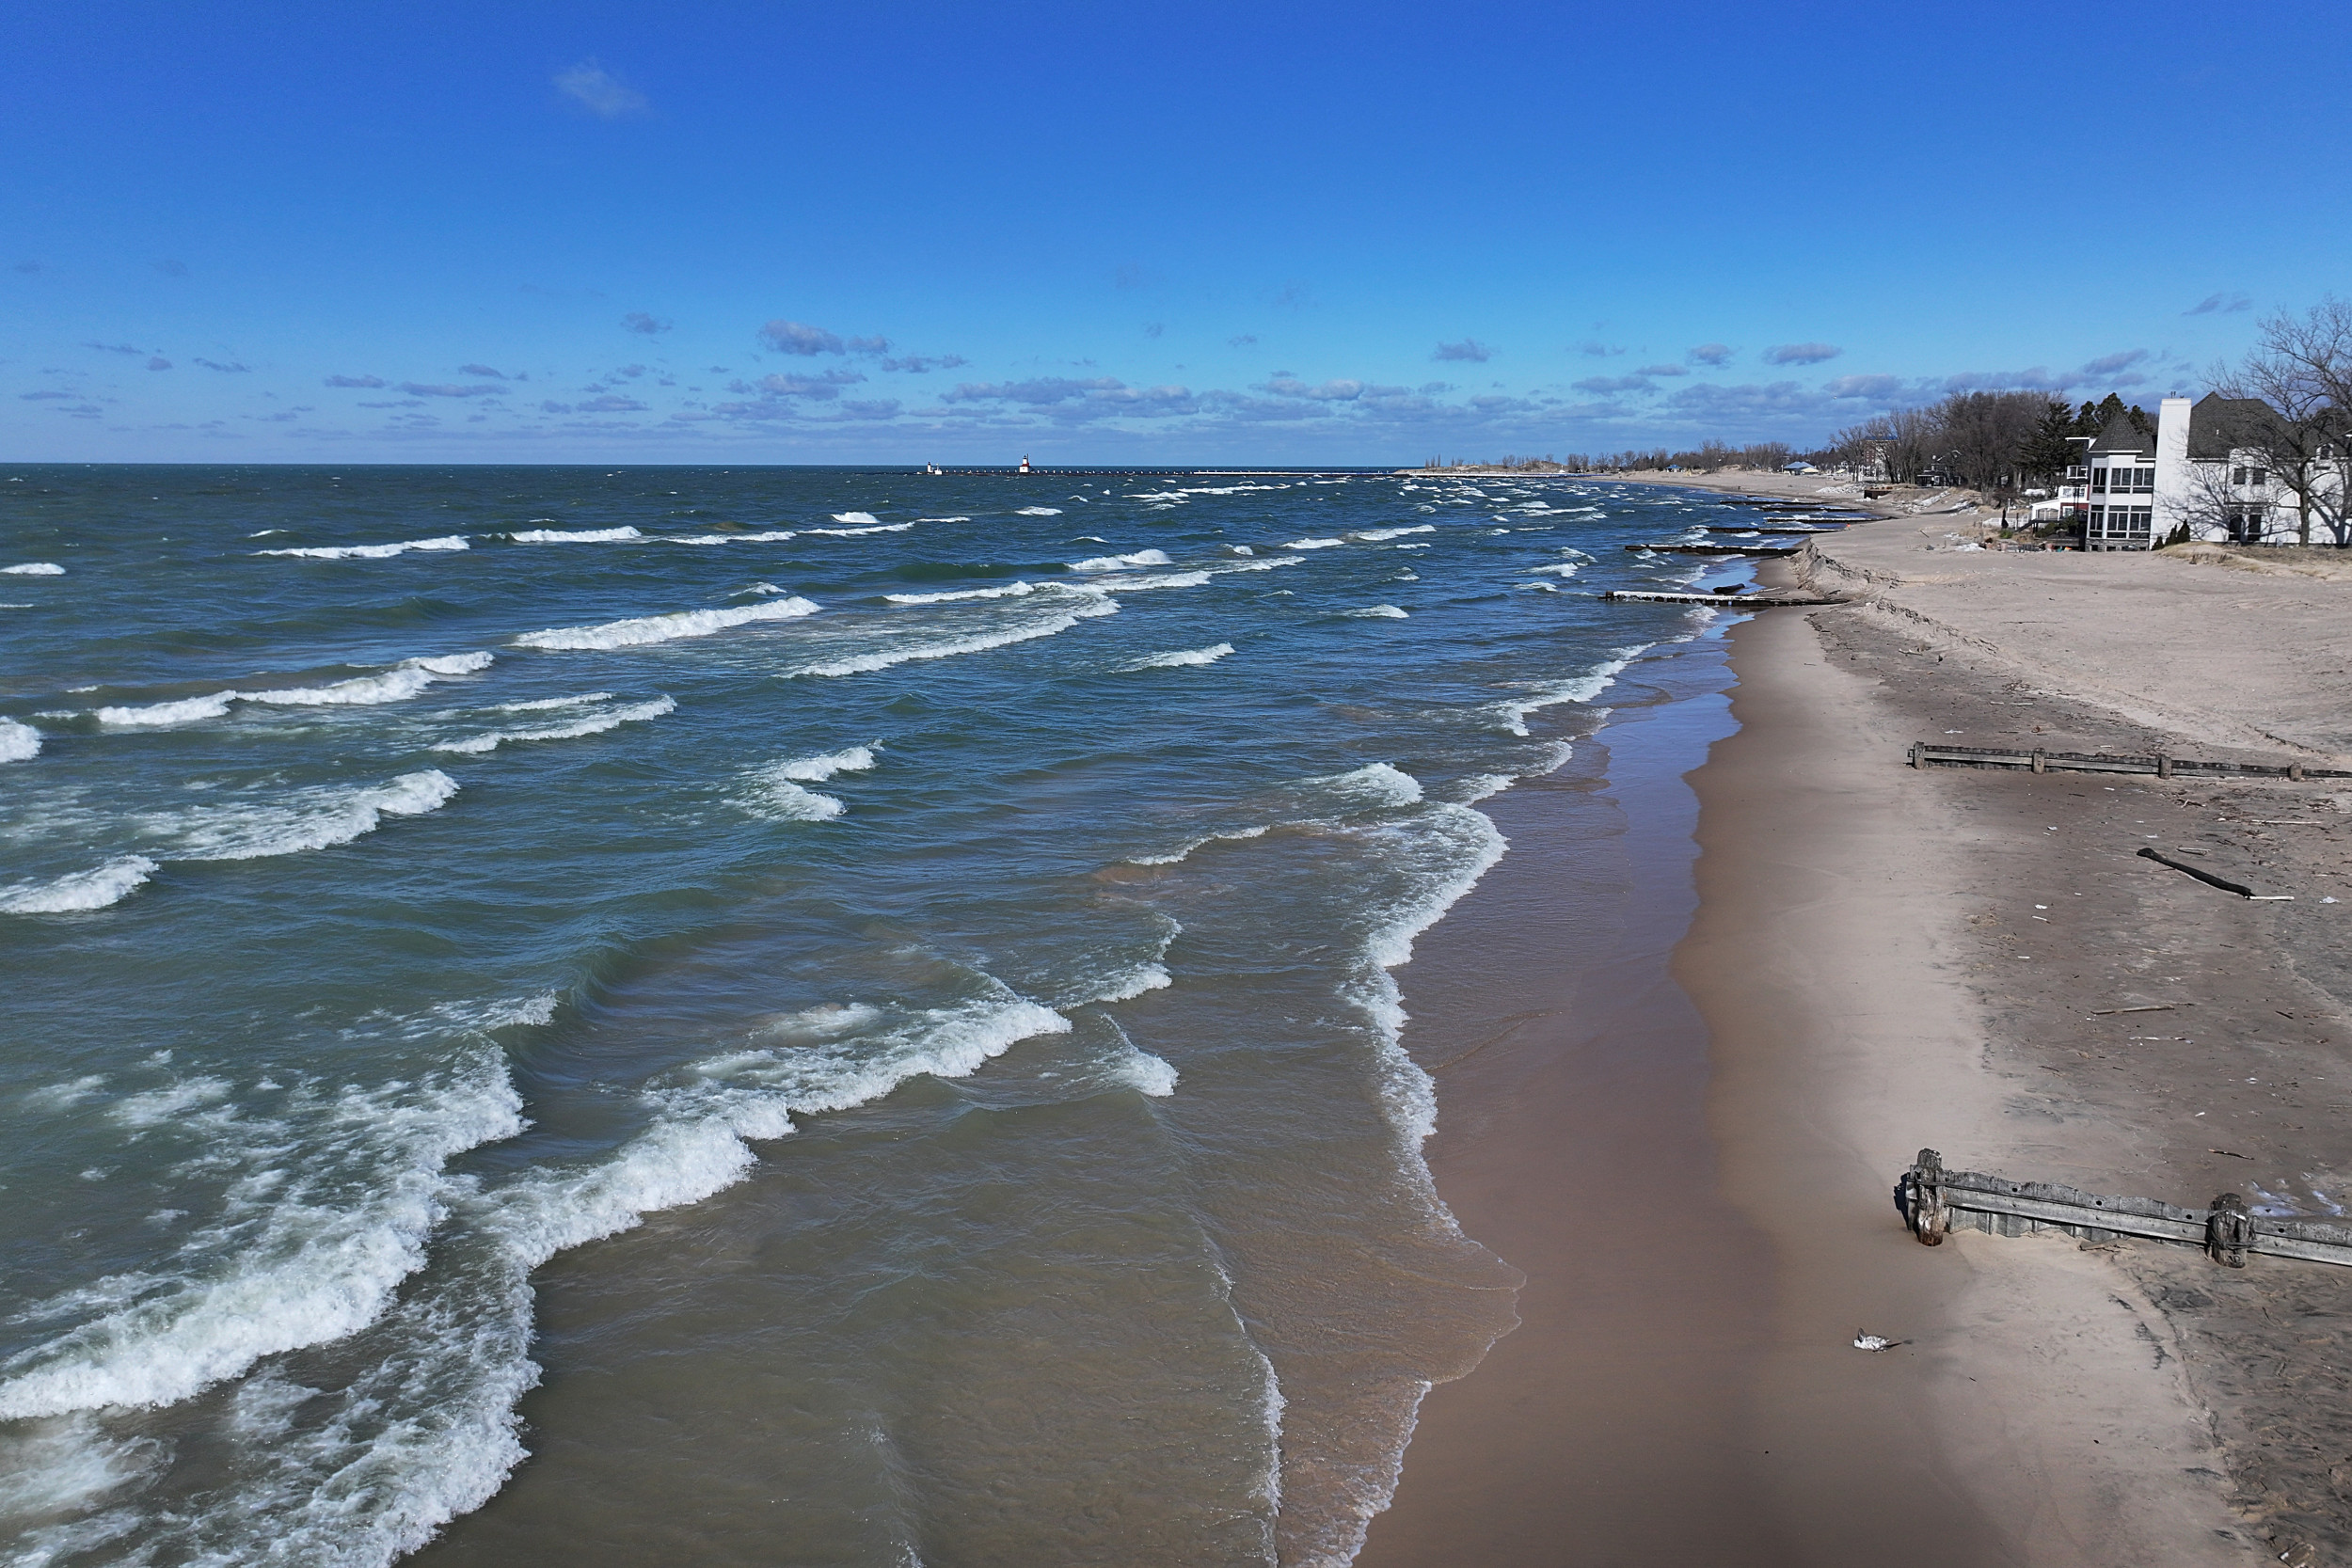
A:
[1705, 1215]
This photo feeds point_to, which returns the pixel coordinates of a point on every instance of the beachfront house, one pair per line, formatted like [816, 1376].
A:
[2202, 468]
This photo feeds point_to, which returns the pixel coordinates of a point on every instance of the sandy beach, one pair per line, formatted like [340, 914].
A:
[1877, 958]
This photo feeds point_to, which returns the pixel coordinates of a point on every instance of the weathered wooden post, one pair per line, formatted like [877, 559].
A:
[2295, 771]
[2163, 768]
[2228, 1230]
[1915, 747]
[1923, 1198]
[2040, 764]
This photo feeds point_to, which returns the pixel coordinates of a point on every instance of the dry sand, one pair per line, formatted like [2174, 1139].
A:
[1883, 959]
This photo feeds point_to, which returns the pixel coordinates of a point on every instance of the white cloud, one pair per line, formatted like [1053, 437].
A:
[600, 92]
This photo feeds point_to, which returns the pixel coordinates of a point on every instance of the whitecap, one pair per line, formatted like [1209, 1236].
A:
[1375, 535]
[18, 742]
[1315, 544]
[34, 569]
[573, 536]
[316, 1266]
[1038, 512]
[857, 532]
[1184, 658]
[943, 519]
[1137, 585]
[1375, 785]
[398, 683]
[772, 536]
[1577, 689]
[663, 628]
[594, 723]
[862, 518]
[854, 759]
[81, 890]
[1113, 562]
[541, 704]
[1375, 612]
[309, 819]
[372, 552]
[1009, 591]
[909, 652]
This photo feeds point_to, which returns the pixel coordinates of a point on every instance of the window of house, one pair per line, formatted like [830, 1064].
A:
[2136, 521]
[2258, 476]
[2237, 476]
[2142, 479]
[2099, 480]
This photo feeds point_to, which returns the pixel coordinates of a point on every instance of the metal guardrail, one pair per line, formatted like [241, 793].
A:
[1935, 1201]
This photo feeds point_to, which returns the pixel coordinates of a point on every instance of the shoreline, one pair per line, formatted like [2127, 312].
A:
[1852, 952]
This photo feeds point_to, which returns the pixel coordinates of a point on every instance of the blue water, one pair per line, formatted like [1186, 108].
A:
[762, 1014]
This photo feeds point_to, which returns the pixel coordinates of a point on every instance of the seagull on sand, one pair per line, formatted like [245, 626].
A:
[1864, 1340]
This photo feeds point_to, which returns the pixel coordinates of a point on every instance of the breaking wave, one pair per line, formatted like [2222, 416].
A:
[83, 890]
[663, 628]
[594, 723]
[18, 742]
[372, 552]
[1184, 658]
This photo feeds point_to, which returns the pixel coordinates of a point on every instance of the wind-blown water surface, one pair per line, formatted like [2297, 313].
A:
[984, 892]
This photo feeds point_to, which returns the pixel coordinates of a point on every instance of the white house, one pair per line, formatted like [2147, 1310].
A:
[2197, 469]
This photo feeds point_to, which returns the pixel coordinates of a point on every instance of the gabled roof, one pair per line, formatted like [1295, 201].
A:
[2119, 434]
[2219, 426]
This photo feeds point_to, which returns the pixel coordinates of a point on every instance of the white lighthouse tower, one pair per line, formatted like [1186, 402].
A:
[1025, 462]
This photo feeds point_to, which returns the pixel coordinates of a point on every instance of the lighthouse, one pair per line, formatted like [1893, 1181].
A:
[1025, 463]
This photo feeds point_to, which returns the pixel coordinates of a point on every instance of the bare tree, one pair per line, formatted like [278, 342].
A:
[2293, 418]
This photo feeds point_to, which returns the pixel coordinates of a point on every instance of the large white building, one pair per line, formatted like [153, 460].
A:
[2197, 469]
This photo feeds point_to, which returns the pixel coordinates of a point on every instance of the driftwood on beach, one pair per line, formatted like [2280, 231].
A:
[1929, 754]
[1935, 1201]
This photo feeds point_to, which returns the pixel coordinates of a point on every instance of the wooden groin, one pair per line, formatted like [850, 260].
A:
[1927, 753]
[1934, 1202]
[1718, 550]
[1727, 601]
[1771, 528]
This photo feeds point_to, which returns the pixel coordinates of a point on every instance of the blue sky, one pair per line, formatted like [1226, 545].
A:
[1265, 233]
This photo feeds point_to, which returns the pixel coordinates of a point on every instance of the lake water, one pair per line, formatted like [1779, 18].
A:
[752, 1015]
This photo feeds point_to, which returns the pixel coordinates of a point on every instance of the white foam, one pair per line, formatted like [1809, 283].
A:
[772, 536]
[1184, 658]
[185, 710]
[541, 704]
[663, 628]
[81, 890]
[1241, 550]
[573, 536]
[398, 683]
[18, 742]
[1009, 591]
[1145, 1073]
[1142, 584]
[300, 1261]
[1375, 612]
[1373, 785]
[1375, 535]
[865, 519]
[1579, 688]
[34, 569]
[1113, 562]
[1038, 512]
[859, 533]
[594, 723]
[1564, 569]
[699, 1146]
[909, 652]
[1315, 544]
[1128, 984]
[309, 819]
[943, 519]
[372, 552]
[854, 759]
[779, 799]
